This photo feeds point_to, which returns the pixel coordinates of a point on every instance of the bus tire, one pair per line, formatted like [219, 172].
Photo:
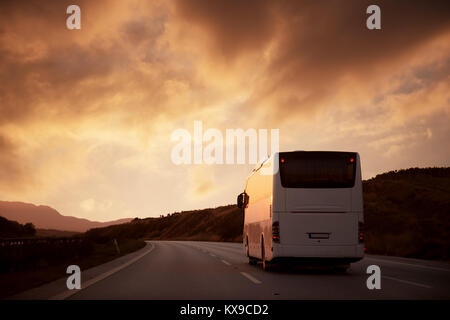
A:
[265, 264]
[251, 260]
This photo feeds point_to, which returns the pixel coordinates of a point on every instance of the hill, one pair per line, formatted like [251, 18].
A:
[220, 224]
[407, 213]
[45, 217]
[49, 233]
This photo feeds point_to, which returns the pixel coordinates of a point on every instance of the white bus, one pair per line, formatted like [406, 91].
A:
[308, 209]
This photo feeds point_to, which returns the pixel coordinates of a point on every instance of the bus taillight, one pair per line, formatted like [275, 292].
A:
[276, 231]
[361, 232]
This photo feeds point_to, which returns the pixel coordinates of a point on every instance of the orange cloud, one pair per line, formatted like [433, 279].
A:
[87, 115]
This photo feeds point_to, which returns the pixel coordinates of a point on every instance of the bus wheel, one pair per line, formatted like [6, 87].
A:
[265, 263]
[247, 252]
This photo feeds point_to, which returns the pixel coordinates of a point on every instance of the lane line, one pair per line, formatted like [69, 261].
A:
[251, 278]
[218, 247]
[229, 253]
[408, 282]
[68, 293]
[226, 262]
[409, 264]
[238, 251]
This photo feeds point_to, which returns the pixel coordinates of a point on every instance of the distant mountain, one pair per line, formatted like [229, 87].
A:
[407, 213]
[45, 217]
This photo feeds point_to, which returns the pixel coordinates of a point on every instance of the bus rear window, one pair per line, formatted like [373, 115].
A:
[309, 169]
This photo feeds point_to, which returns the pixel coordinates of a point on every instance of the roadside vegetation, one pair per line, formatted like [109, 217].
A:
[223, 223]
[27, 261]
[407, 213]
[13, 229]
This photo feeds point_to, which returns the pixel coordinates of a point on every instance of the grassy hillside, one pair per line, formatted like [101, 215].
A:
[48, 233]
[407, 213]
[219, 224]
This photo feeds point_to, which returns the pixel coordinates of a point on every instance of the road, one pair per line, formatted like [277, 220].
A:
[215, 270]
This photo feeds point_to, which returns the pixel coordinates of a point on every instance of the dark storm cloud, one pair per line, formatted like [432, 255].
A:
[318, 42]
[39, 59]
[332, 32]
[234, 26]
[54, 76]
[47, 69]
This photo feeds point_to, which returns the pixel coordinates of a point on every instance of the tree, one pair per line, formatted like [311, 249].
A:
[29, 229]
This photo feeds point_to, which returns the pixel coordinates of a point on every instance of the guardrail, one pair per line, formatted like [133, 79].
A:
[26, 253]
[27, 241]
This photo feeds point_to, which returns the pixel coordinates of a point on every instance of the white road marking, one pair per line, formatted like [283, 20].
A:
[66, 294]
[251, 278]
[409, 264]
[408, 282]
[212, 254]
[226, 262]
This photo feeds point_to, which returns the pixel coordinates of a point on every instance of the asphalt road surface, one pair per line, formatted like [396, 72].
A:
[215, 270]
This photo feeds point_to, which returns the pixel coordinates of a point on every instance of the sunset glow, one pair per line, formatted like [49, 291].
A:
[86, 115]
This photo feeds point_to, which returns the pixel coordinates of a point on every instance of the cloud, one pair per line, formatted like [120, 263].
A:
[13, 170]
[310, 49]
[91, 111]
[201, 181]
[91, 205]
[230, 27]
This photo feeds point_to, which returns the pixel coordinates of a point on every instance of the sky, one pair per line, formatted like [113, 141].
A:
[86, 116]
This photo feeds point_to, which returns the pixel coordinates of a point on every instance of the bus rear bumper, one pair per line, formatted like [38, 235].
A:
[334, 254]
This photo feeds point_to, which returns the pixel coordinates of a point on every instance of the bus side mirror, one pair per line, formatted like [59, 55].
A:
[240, 201]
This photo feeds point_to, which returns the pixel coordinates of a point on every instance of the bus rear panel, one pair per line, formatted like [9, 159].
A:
[316, 209]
